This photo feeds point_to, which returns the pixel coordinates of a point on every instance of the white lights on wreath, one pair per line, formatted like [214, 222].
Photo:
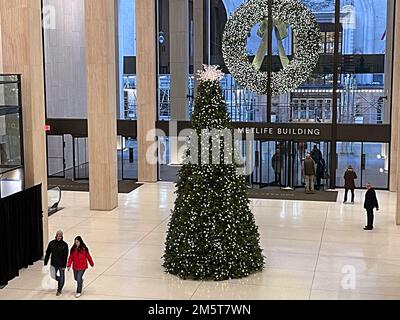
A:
[306, 32]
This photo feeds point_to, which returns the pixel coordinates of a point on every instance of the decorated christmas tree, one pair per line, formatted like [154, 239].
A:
[212, 234]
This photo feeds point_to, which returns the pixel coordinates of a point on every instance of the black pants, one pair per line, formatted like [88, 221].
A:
[370, 218]
[346, 193]
[58, 274]
[278, 177]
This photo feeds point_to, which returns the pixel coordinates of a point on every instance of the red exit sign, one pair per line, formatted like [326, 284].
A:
[47, 128]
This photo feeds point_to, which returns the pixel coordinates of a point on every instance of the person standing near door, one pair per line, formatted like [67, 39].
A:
[277, 163]
[78, 259]
[58, 251]
[371, 203]
[349, 183]
[309, 171]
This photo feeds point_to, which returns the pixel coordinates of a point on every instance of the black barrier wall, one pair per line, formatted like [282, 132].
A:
[21, 232]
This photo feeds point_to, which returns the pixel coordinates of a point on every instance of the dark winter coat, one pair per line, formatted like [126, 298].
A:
[371, 200]
[277, 162]
[58, 250]
[349, 178]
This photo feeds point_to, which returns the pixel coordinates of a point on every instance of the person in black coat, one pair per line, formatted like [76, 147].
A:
[371, 202]
[58, 250]
[349, 183]
[316, 155]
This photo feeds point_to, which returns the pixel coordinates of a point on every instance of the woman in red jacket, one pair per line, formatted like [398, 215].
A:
[79, 258]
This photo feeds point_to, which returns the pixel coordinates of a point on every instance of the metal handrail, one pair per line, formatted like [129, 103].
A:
[53, 206]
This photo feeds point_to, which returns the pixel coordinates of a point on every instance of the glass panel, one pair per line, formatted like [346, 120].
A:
[81, 161]
[311, 102]
[127, 59]
[55, 151]
[127, 159]
[9, 94]
[362, 78]
[10, 148]
[11, 182]
[9, 78]
[376, 164]
[348, 153]
[168, 168]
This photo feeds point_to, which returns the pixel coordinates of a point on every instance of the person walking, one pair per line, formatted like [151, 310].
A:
[371, 203]
[78, 259]
[349, 183]
[309, 171]
[58, 251]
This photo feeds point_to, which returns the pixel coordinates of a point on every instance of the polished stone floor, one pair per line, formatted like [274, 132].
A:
[314, 250]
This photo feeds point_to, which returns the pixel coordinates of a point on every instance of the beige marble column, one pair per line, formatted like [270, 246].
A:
[395, 168]
[21, 47]
[146, 69]
[198, 41]
[102, 110]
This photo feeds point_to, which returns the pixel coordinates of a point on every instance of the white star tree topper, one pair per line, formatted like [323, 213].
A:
[210, 73]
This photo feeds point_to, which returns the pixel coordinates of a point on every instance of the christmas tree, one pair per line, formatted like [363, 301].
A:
[212, 233]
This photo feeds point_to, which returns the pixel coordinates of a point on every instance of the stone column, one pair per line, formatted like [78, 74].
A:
[102, 122]
[146, 87]
[179, 67]
[21, 47]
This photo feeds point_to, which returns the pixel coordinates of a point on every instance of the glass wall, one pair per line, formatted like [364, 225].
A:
[11, 149]
[361, 37]
[369, 160]
[362, 73]
[127, 60]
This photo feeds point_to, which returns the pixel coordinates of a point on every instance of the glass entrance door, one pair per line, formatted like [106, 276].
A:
[81, 158]
[56, 156]
[279, 163]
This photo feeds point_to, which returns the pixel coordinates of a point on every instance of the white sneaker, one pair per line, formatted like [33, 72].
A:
[78, 295]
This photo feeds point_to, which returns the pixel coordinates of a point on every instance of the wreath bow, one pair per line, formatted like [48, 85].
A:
[281, 33]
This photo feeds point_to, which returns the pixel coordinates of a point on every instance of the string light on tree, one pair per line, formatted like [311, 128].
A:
[212, 234]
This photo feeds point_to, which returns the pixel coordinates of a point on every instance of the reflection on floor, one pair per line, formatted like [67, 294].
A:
[311, 249]
[277, 193]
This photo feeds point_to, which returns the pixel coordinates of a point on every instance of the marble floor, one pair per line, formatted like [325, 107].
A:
[314, 251]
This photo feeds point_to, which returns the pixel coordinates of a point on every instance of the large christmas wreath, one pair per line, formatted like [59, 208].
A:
[285, 13]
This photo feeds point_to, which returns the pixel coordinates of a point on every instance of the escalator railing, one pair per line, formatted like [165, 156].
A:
[54, 200]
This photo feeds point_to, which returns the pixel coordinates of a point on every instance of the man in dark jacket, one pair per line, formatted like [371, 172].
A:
[58, 250]
[371, 202]
[349, 183]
